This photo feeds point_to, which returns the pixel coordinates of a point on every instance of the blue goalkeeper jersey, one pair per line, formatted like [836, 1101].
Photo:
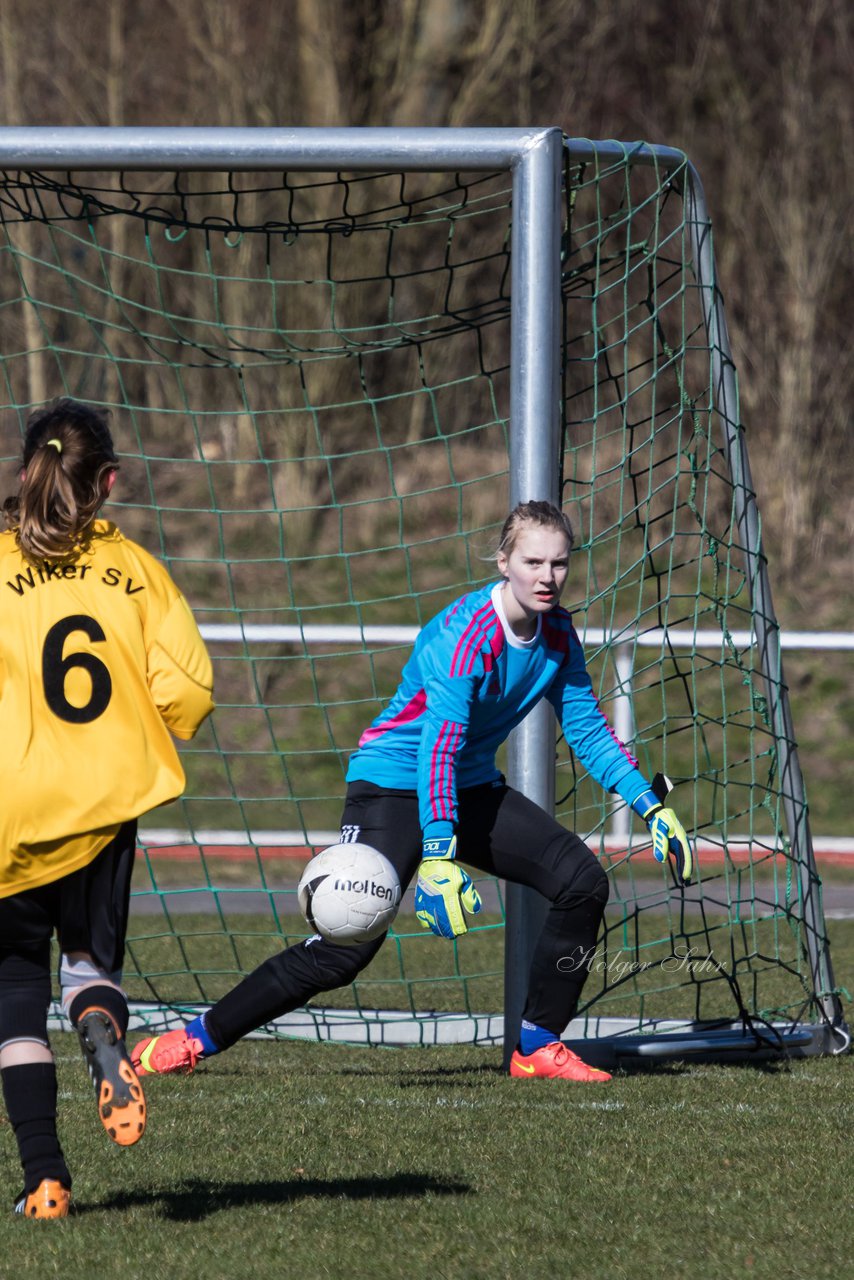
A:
[469, 682]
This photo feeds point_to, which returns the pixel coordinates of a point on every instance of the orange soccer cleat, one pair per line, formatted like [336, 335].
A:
[49, 1200]
[121, 1102]
[174, 1051]
[555, 1062]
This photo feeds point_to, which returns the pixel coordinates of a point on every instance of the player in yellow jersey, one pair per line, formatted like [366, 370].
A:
[100, 663]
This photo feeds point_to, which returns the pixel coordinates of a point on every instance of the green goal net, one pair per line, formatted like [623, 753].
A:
[309, 374]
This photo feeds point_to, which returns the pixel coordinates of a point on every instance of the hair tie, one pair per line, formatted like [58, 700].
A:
[57, 444]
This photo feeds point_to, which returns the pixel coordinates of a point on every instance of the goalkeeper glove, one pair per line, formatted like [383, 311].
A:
[668, 834]
[443, 889]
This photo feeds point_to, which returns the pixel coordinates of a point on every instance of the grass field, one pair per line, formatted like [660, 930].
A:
[282, 1159]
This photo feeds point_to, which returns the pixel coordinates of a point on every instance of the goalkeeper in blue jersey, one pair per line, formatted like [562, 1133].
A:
[100, 663]
[423, 788]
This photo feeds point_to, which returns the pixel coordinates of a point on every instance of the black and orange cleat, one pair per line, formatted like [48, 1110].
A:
[49, 1200]
[121, 1101]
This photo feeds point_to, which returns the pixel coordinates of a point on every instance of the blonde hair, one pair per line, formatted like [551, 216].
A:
[68, 452]
[543, 515]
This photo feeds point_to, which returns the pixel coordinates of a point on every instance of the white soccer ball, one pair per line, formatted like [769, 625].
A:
[349, 894]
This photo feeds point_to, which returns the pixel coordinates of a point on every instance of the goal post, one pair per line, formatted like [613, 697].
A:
[764, 619]
[708, 402]
[341, 355]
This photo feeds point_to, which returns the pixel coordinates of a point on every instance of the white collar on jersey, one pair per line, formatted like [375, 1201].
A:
[510, 636]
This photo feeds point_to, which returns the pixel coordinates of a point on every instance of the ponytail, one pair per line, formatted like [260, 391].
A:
[68, 454]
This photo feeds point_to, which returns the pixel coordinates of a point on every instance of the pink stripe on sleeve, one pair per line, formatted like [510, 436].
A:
[411, 711]
[444, 749]
[462, 662]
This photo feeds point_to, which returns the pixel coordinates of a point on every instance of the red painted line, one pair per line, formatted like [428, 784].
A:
[708, 854]
[231, 853]
[740, 854]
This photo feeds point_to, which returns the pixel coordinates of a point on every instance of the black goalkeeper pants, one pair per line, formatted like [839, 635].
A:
[500, 832]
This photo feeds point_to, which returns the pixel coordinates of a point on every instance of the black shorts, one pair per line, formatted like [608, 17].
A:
[88, 909]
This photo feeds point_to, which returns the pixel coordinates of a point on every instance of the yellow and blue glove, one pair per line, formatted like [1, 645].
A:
[668, 834]
[443, 890]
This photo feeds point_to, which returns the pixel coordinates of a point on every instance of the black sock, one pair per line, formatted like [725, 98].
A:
[110, 999]
[30, 1094]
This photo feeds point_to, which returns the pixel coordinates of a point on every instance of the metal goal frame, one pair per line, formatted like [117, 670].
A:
[535, 159]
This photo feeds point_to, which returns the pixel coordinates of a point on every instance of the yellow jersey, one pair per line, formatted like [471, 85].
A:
[100, 658]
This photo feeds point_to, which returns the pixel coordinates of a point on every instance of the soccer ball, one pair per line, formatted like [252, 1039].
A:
[349, 894]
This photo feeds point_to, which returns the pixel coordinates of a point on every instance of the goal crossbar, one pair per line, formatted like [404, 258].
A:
[536, 159]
